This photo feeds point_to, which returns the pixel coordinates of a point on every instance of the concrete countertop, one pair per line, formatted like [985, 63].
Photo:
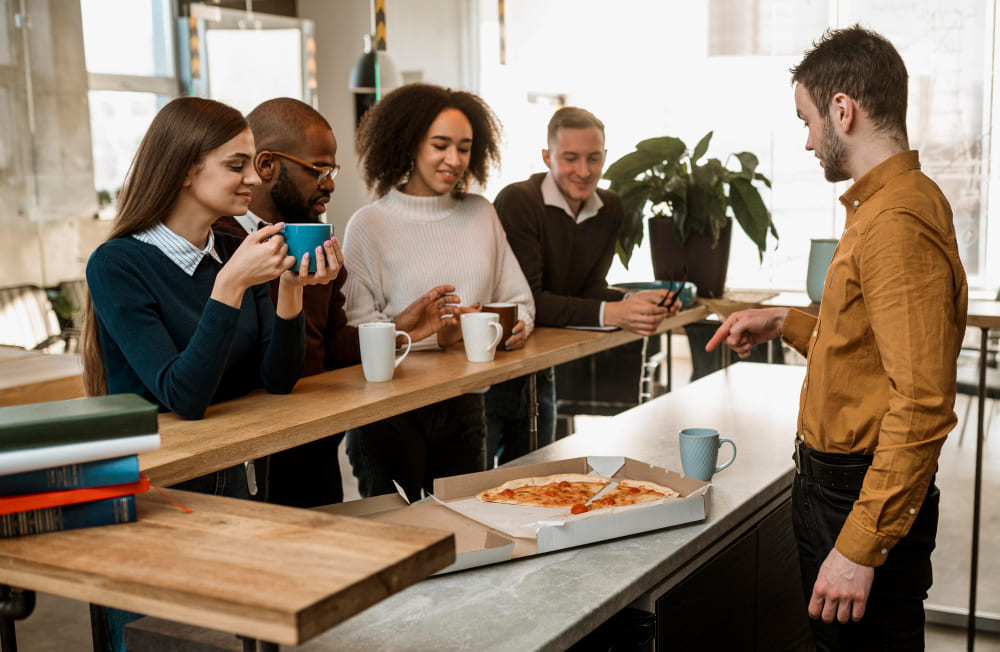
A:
[550, 601]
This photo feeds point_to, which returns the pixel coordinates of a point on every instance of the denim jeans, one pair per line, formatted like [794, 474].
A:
[894, 614]
[446, 438]
[507, 419]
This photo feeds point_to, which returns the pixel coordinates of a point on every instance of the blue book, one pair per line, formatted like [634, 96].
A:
[119, 470]
[69, 517]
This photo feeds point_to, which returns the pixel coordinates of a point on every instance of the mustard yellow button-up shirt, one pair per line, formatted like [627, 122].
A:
[881, 356]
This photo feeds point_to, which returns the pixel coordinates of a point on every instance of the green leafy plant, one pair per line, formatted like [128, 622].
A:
[662, 179]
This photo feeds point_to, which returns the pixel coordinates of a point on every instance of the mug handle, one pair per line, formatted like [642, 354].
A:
[409, 343]
[731, 459]
[495, 325]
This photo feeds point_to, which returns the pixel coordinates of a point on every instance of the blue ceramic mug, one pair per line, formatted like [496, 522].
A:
[303, 239]
[820, 257]
[700, 451]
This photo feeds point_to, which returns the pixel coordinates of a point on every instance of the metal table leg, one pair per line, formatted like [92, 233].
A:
[532, 412]
[977, 491]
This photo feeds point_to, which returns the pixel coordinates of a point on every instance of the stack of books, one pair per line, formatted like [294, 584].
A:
[74, 463]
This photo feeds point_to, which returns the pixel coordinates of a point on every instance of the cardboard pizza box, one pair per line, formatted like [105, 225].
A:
[479, 544]
[475, 544]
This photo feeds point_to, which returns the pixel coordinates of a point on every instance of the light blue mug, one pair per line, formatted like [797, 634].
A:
[820, 257]
[700, 451]
[303, 239]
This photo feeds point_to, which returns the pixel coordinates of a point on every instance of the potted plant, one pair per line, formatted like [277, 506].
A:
[690, 205]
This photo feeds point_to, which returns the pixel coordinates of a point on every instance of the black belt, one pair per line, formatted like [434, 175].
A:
[831, 470]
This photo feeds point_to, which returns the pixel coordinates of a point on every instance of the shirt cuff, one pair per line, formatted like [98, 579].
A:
[863, 547]
[600, 315]
[797, 330]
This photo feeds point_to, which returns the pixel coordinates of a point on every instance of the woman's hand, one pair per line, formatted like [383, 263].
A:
[329, 259]
[259, 258]
[452, 333]
[518, 336]
[429, 313]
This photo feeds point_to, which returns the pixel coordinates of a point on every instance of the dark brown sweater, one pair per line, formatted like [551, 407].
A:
[330, 342]
[565, 263]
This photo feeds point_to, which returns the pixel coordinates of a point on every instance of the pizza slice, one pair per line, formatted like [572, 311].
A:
[561, 490]
[630, 492]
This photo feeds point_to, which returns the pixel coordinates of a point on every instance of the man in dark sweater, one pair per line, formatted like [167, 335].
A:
[296, 160]
[562, 228]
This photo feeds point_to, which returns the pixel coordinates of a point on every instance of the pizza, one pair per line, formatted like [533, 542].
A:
[561, 490]
[575, 491]
[630, 492]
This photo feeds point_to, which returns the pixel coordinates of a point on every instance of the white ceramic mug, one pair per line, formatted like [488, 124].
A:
[378, 350]
[481, 332]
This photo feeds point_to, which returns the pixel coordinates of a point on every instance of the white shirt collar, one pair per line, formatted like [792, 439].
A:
[554, 197]
[184, 254]
[250, 222]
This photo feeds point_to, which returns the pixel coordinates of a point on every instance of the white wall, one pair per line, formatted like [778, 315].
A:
[427, 39]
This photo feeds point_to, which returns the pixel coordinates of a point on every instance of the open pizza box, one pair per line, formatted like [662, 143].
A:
[488, 533]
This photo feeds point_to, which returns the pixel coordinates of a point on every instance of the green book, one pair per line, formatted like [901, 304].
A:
[76, 420]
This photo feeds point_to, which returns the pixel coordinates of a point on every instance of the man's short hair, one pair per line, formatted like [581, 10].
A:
[571, 117]
[864, 65]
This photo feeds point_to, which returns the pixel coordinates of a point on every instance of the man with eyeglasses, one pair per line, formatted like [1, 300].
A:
[297, 162]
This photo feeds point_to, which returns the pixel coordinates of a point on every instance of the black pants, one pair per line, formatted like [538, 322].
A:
[508, 422]
[446, 438]
[304, 476]
[894, 614]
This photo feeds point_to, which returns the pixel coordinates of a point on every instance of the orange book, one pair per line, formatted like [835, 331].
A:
[28, 502]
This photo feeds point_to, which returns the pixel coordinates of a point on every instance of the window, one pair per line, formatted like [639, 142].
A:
[125, 91]
[651, 68]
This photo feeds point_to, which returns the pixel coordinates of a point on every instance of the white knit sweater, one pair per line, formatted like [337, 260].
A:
[401, 246]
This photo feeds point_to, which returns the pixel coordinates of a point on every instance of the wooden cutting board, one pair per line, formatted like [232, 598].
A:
[273, 573]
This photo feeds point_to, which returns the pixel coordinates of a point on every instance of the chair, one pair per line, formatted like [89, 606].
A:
[28, 321]
[68, 299]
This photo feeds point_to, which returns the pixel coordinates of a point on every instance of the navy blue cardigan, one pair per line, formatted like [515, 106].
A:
[163, 338]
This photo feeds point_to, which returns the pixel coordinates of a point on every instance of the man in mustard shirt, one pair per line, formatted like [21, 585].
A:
[879, 393]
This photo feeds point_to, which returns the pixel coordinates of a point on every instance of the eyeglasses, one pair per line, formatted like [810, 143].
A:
[322, 172]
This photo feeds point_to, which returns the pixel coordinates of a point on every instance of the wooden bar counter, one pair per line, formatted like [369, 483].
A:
[260, 424]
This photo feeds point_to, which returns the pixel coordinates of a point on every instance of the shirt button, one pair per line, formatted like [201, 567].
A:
[913, 511]
[815, 333]
[856, 204]
[885, 551]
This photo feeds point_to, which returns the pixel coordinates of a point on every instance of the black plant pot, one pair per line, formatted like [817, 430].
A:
[706, 265]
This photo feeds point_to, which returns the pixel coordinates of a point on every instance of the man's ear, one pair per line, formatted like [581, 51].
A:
[545, 157]
[843, 110]
[266, 165]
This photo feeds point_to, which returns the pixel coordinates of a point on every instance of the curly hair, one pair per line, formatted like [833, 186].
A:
[392, 130]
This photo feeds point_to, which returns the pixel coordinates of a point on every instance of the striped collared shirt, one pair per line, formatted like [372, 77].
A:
[184, 254]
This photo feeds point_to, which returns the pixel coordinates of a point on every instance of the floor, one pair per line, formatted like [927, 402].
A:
[63, 625]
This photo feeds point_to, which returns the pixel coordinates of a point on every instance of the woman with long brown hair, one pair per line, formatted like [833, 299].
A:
[178, 314]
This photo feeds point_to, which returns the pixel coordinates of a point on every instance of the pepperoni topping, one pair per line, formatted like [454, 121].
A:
[579, 509]
[550, 494]
[507, 493]
[607, 501]
[634, 490]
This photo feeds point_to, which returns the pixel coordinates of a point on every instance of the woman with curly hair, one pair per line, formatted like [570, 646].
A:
[418, 148]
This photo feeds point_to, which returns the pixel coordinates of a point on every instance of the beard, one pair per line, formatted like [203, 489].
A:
[833, 154]
[291, 203]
